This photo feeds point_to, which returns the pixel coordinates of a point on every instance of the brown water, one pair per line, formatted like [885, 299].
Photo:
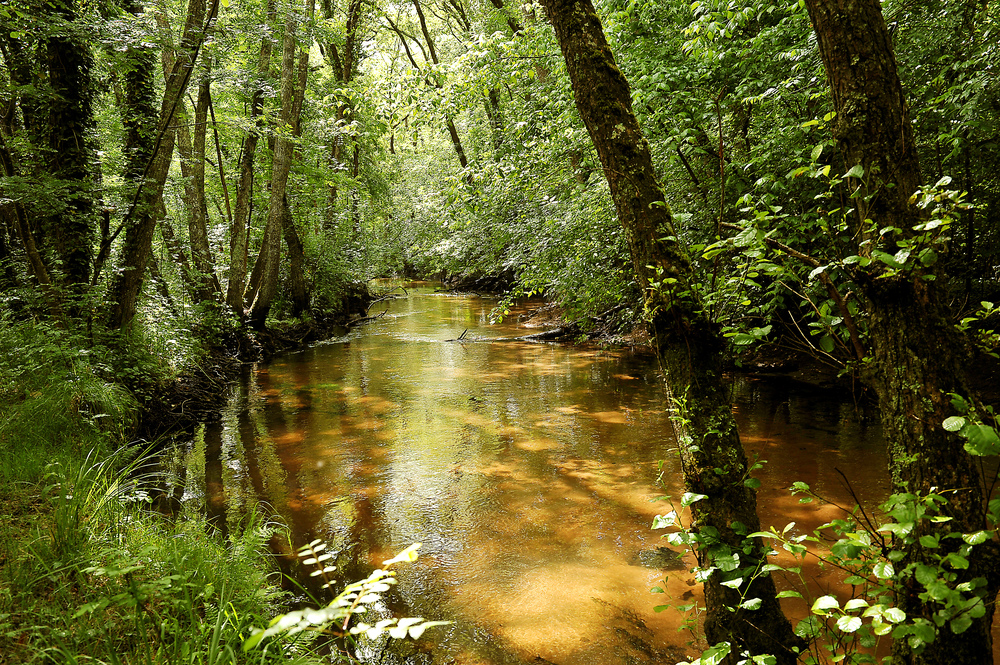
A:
[527, 471]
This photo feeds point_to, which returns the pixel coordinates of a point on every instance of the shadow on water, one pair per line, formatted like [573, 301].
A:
[528, 472]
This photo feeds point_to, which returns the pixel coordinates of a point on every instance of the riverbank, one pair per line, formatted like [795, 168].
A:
[88, 570]
[195, 395]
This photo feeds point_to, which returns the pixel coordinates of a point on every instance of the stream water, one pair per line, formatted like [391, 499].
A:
[528, 471]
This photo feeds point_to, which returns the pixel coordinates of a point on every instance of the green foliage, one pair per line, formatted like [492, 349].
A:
[55, 402]
[92, 572]
[356, 598]
[879, 565]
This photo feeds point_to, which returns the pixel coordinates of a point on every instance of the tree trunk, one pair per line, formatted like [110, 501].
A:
[296, 262]
[688, 345]
[140, 220]
[138, 112]
[71, 156]
[239, 233]
[918, 357]
[19, 217]
[267, 264]
[177, 254]
[191, 150]
[297, 284]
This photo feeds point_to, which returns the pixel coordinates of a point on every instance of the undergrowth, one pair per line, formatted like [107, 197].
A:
[89, 573]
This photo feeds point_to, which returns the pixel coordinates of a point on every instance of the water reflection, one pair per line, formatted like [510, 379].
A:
[528, 472]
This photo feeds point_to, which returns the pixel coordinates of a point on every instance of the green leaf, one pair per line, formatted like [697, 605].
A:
[924, 630]
[857, 171]
[849, 624]
[925, 574]
[894, 615]
[953, 423]
[826, 343]
[664, 521]
[880, 627]
[981, 440]
[854, 604]
[960, 624]
[690, 497]
[977, 538]
[716, 654]
[957, 561]
[883, 570]
[733, 583]
[751, 604]
[789, 594]
[823, 604]
[929, 541]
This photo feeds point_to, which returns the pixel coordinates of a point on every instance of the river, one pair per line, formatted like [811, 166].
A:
[529, 472]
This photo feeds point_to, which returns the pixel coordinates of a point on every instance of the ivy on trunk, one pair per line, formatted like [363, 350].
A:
[690, 349]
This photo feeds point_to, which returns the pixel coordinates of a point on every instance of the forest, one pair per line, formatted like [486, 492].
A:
[190, 187]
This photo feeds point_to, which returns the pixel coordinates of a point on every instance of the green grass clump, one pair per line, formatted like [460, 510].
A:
[89, 573]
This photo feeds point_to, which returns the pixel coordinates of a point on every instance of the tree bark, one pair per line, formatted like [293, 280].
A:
[265, 288]
[71, 156]
[689, 347]
[139, 119]
[239, 234]
[918, 357]
[296, 262]
[140, 220]
[191, 150]
[297, 285]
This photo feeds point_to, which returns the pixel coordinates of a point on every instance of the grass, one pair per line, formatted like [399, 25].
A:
[89, 573]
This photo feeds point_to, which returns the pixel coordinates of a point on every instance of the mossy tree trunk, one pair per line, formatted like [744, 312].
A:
[688, 344]
[917, 356]
[140, 220]
[71, 158]
[191, 150]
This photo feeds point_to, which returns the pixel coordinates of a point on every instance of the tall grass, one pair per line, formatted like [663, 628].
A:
[88, 572]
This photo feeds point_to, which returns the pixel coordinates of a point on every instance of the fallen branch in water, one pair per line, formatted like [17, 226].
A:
[388, 295]
[366, 319]
[555, 333]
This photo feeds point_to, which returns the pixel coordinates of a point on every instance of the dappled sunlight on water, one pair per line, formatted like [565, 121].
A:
[528, 472]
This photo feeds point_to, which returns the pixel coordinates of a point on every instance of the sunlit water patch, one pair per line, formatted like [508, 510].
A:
[528, 471]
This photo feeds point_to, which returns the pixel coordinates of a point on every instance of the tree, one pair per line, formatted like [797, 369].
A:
[239, 236]
[689, 346]
[70, 150]
[140, 220]
[191, 149]
[264, 281]
[919, 359]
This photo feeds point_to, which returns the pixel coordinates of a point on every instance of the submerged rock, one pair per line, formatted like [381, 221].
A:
[660, 558]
